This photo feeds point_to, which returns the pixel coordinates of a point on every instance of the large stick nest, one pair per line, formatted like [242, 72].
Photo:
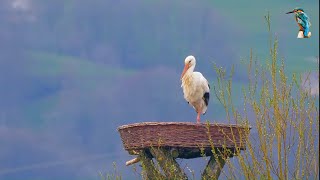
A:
[188, 139]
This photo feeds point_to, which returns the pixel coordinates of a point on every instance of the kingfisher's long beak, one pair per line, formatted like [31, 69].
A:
[290, 12]
[186, 67]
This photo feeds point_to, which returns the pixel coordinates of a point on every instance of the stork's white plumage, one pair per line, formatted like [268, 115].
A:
[195, 87]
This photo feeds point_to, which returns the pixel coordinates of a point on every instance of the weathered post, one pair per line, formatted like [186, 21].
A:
[213, 168]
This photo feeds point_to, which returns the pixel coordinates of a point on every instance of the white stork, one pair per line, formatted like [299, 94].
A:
[195, 87]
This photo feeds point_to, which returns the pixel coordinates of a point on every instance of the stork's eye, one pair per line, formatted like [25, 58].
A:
[189, 61]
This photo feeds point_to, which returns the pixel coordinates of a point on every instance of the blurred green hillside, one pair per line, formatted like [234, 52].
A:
[106, 40]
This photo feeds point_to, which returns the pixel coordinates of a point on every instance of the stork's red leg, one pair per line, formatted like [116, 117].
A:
[198, 117]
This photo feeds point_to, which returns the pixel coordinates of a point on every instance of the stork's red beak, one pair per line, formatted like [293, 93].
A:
[186, 67]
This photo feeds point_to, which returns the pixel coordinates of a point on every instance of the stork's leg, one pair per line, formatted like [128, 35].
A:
[198, 117]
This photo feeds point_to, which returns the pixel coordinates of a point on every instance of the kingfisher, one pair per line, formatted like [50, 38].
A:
[303, 21]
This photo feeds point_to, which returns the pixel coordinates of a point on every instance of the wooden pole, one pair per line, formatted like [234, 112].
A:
[213, 168]
[148, 168]
[168, 164]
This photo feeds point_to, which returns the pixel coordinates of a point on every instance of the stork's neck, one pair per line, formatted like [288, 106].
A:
[189, 72]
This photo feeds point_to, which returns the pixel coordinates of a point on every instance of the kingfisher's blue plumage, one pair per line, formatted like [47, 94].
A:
[302, 19]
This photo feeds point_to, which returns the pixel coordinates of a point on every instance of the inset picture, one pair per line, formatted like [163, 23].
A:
[303, 22]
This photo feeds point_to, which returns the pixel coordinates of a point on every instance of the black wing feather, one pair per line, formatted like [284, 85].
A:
[206, 97]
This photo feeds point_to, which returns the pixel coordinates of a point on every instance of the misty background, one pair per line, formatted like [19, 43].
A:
[72, 71]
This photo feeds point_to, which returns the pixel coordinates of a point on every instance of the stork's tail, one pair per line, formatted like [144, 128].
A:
[204, 109]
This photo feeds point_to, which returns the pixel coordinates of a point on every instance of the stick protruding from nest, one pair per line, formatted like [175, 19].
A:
[132, 161]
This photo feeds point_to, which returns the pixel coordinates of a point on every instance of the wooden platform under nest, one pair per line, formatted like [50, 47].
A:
[166, 141]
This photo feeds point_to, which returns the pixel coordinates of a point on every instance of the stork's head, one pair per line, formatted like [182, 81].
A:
[296, 10]
[189, 62]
